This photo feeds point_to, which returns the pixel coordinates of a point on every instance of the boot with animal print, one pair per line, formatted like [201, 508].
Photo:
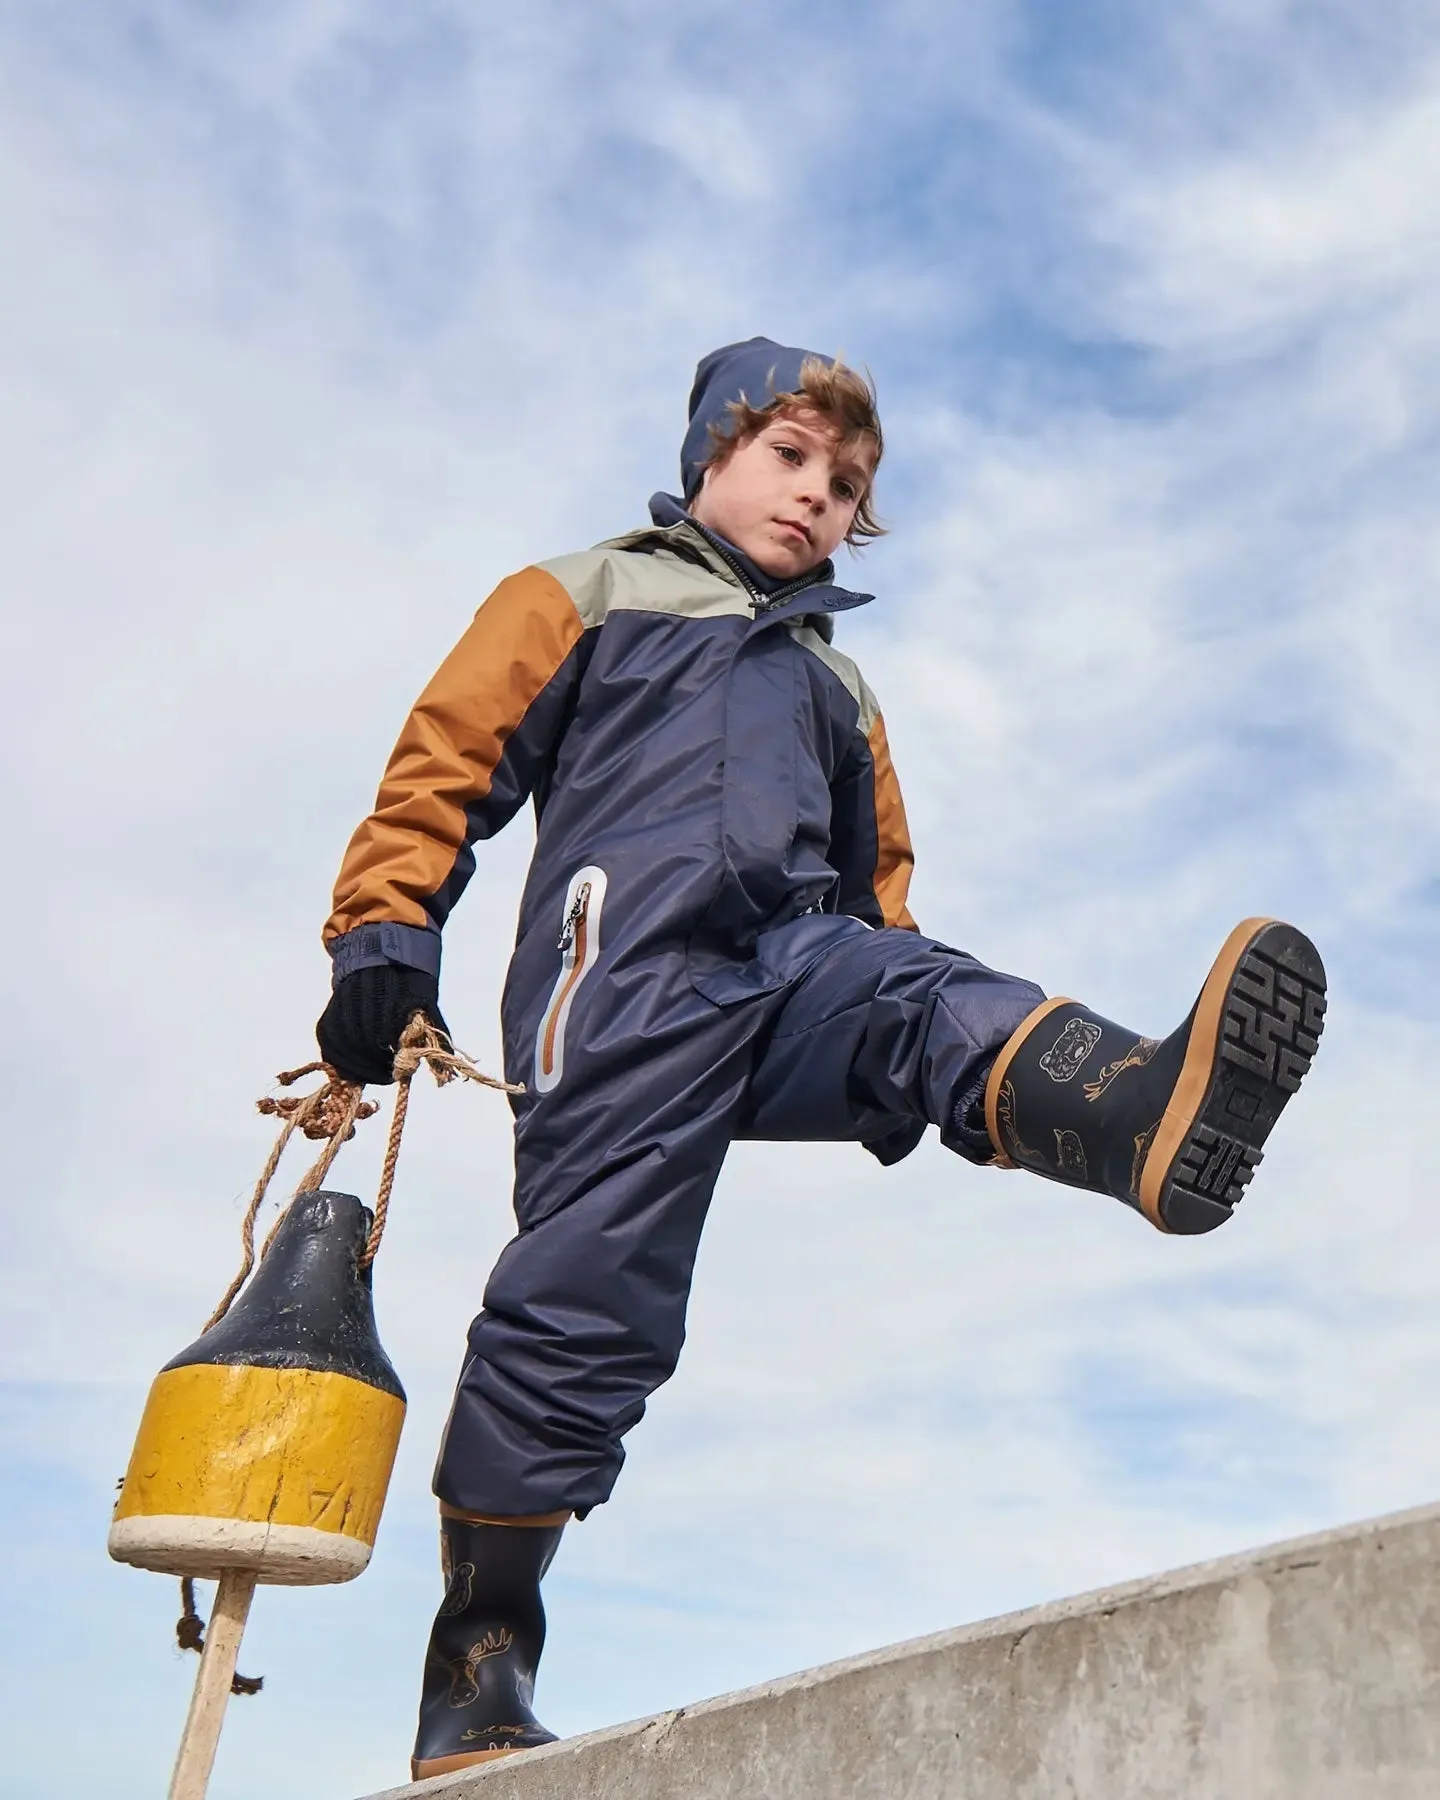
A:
[1172, 1126]
[485, 1646]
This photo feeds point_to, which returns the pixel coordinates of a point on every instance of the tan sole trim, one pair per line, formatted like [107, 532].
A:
[533, 1519]
[450, 1765]
[1001, 1067]
[1195, 1071]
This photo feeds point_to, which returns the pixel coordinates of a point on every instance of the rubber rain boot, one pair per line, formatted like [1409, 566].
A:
[484, 1646]
[1172, 1126]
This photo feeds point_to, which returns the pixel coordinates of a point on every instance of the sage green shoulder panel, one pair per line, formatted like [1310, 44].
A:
[606, 580]
[845, 670]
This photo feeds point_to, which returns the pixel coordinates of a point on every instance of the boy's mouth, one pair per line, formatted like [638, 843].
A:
[793, 525]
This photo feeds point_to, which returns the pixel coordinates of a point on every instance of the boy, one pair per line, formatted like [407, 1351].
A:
[714, 944]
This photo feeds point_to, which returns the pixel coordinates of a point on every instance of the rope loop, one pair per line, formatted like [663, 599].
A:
[329, 1114]
[421, 1044]
[190, 1635]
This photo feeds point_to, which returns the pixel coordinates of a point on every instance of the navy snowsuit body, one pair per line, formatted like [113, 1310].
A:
[713, 944]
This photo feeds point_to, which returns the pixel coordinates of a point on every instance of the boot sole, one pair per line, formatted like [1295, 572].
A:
[422, 1768]
[1257, 1025]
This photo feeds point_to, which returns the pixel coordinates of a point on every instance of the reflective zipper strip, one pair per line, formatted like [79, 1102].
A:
[579, 944]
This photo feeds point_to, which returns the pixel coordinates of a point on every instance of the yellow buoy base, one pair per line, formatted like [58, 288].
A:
[284, 1555]
[280, 1471]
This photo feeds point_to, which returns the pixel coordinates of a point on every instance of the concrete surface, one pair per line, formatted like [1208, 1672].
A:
[1308, 1671]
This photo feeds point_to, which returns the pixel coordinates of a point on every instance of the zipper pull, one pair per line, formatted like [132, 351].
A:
[574, 916]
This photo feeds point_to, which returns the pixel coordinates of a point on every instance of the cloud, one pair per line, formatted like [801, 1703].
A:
[320, 320]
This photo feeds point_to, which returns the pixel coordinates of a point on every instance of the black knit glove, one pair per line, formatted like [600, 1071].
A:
[359, 1030]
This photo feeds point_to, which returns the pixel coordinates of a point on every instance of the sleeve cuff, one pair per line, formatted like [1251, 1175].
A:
[371, 946]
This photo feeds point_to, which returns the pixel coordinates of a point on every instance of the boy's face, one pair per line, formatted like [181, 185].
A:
[786, 496]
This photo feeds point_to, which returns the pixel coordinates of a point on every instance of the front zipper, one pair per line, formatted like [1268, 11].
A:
[575, 918]
[760, 603]
[579, 947]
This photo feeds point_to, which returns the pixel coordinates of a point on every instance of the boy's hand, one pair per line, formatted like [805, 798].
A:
[360, 1028]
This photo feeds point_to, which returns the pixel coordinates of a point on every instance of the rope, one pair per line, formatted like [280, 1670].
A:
[330, 1114]
[342, 1108]
[190, 1635]
[420, 1043]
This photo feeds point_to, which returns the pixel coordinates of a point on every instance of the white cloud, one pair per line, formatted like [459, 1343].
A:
[317, 324]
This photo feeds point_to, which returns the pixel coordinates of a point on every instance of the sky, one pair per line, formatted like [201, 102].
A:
[316, 319]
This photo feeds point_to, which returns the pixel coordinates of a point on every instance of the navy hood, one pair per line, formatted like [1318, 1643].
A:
[755, 371]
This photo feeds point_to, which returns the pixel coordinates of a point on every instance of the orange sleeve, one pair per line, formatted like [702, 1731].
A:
[894, 857]
[442, 772]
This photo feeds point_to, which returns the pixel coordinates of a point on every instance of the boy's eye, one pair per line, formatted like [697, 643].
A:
[845, 490]
[789, 452]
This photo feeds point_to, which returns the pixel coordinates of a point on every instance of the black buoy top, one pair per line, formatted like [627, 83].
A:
[308, 1305]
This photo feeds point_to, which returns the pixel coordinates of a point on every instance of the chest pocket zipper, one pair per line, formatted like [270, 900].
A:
[579, 948]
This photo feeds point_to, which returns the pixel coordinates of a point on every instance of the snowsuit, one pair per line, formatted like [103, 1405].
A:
[713, 944]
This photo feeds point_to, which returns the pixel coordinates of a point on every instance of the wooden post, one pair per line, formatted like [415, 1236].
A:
[212, 1685]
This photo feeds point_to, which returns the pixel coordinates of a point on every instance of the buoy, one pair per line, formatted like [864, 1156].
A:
[267, 1444]
[265, 1449]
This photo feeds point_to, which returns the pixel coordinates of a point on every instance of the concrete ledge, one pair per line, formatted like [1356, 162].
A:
[1307, 1671]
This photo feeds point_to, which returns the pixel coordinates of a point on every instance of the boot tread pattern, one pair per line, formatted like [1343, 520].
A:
[1215, 1165]
[1270, 1028]
[1273, 1021]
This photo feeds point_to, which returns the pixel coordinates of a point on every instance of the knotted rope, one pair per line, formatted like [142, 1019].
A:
[421, 1044]
[190, 1635]
[329, 1114]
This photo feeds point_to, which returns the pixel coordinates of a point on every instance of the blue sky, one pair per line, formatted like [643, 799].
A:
[318, 319]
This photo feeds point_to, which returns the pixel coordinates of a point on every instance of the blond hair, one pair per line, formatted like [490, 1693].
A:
[844, 397]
